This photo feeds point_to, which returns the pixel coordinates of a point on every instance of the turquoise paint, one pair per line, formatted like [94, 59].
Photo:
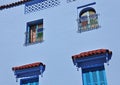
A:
[30, 83]
[91, 78]
[98, 79]
[94, 76]
[84, 79]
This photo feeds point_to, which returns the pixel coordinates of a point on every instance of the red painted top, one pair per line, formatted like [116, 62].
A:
[14, 4]
[90, 53]
[27, 66]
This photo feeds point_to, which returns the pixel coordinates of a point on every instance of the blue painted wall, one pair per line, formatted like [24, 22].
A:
[61, 41]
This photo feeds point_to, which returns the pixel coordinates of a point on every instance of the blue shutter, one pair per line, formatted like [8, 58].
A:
[102, 77]
[86, 78]
[30, 81]
[95, 80]
[94, 76]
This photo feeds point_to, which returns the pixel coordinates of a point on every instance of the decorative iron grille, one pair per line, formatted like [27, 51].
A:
[37, 5]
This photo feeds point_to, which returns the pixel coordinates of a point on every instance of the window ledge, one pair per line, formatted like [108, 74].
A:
[27, 44]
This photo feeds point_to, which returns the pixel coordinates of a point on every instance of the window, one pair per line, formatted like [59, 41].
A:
[88, 19]
[102, 77]
[30, 81]
[94, 76]
[34, 32]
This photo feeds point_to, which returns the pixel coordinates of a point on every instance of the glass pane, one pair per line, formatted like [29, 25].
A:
[32, 34]
[40, 25]
[84, 18]
[84, 23]
[94, 20]
[40, 30]
[91, 12]
[40, 36]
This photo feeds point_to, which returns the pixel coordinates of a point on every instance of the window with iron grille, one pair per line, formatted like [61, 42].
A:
[88, 19]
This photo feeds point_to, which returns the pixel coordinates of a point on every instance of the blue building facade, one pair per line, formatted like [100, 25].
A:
[52, 34]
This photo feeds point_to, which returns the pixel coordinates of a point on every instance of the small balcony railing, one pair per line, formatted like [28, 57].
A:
[86, 23]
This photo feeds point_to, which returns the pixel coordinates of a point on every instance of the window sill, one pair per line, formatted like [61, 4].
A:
[27, 44]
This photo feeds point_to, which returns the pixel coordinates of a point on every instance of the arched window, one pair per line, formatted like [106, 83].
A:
[88, 19]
